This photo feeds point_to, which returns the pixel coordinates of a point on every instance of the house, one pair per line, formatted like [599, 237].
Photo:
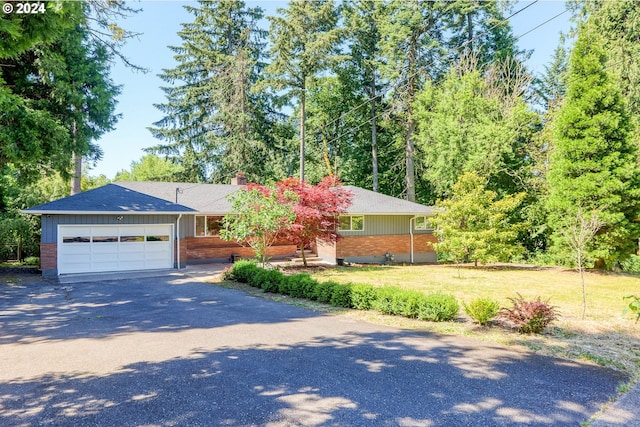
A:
[154, 225]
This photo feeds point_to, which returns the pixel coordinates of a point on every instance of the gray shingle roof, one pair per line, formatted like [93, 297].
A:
[110, 198]
[372, 203]
[160, 197]
[205, 198]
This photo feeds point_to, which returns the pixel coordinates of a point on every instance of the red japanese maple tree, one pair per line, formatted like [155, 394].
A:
[317, 209]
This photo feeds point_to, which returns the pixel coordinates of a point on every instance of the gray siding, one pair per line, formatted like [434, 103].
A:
[50, 222]
[380, 225]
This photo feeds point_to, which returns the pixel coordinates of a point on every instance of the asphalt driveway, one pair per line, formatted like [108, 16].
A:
[165, 351]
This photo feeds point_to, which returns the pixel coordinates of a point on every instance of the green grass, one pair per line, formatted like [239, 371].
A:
[561, 286]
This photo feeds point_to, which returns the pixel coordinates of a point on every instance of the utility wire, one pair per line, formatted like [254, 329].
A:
[459, 48]
[380, 114]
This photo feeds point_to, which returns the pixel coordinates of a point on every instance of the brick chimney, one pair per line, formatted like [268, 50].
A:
[239, 179]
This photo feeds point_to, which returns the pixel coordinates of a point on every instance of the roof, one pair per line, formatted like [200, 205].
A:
[110, 198]
[179, 197]
[206, 198]
[372, 203]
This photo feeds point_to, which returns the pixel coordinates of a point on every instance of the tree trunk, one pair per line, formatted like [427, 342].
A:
[76, 159]
[584, 294]
[304, 257]
[374, 136]
[410, 179]
[302, 120]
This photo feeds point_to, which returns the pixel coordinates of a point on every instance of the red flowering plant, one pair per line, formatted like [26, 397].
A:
[317, 209]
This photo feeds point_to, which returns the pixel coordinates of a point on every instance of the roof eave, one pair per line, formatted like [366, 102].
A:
[51, 212]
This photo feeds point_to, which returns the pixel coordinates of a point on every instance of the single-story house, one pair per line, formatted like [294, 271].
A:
[153, 225]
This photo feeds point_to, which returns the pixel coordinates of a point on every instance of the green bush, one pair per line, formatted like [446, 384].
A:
[634, 305]
[362, 296]
[438, 307]
[385, 300]
[323, 291]
[341, 296]
[482, 310]
[267, 280]
[390, 300]
[528, 317]
[243, 270]
[32, 260]
[631, 264]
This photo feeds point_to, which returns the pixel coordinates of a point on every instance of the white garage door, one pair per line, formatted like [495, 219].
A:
[95, 248]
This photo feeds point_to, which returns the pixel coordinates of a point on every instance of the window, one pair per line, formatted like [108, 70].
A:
[158, 238]
[422, 223]
[351, 223]
[76, 239]
[131, 239]
[208, 225]
[104, 239]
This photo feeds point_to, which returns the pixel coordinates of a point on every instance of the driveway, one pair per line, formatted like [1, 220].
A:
[173, 351]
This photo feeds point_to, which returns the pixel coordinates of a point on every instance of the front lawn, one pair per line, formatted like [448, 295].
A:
[606, 336]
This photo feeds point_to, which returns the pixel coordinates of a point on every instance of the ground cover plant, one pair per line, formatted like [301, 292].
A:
[608, 335]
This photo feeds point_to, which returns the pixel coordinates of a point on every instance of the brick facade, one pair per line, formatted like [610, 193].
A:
[214, 248]
[358, 246]
[48, 256]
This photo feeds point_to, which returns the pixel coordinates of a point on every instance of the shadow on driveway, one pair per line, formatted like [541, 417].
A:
[177, 352]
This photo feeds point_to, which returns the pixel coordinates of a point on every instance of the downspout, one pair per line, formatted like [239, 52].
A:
[178, 238]
[411, 234]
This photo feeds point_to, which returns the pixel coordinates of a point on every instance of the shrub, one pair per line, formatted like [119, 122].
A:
[267, 280]
[341, 296]
[243, 270]
[385, 300]
[482, 310]
[529, 317]
[363, 296]
[438, 307]
[631, 264]
[634, 305]
[323, 291]
[32, 260]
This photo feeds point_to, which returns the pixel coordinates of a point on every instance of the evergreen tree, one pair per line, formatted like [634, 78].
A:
[594, 165]
[304, 40]
[466, 125]
[474, 226]
[412, 34]
[32, 136]
[362, 19]
[214, 125]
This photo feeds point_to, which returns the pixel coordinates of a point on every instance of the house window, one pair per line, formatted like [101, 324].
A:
[351, 223]
[422, 223]
[208, 225]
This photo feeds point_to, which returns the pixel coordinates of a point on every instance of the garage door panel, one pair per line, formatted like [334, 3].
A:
[114, 248]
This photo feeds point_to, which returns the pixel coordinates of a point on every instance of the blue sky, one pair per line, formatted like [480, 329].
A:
[159, 23]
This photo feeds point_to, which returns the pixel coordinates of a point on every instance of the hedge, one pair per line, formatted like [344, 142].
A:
[388, 300]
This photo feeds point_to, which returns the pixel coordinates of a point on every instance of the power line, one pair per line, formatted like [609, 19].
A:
[379, 115]
[415, 73]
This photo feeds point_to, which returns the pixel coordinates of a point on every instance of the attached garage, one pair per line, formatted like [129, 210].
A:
[97, 248]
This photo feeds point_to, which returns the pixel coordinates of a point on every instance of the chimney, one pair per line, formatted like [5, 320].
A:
[239, 179]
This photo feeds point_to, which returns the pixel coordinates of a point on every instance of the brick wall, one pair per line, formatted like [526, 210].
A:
[48, 257]
[354, 246]
[183, 252]
[202, 248]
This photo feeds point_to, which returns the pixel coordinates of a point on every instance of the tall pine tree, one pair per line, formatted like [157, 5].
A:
[304, 41]
[594, 166]
[213, 123]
